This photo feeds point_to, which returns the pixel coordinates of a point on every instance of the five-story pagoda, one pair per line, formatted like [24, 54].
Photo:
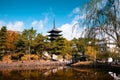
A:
[54, 33]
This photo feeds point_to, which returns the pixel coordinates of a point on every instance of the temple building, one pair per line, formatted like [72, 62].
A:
[54, 33]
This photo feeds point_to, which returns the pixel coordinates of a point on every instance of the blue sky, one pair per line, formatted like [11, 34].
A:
[23, 14]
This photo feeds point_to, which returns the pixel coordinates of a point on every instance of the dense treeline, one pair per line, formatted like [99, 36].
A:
[19, 45]
[29, 42]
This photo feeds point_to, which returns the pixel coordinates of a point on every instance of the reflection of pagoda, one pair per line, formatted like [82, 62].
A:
[54, 33]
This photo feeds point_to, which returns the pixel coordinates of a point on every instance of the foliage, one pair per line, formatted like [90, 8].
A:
[11, 37]
[40, 44]
[7, 58]
[29, 41]
[57, 46]
[20, 44]
[91, 53]
[32, 57]
[87, 47]
[16, 56]
[114, 55]
[3, 39]
[81, 44]
[29, 36]
[102, 56]
[61, 46]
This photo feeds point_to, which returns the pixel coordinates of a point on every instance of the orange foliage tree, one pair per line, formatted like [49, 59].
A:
[11, 37]
[91, 53]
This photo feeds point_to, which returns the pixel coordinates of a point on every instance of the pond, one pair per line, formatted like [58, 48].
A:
[57, 73]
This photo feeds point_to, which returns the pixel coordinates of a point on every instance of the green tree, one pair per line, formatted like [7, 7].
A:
[41, 44]
[81, 44]
[57, 46]
[3, 38]
[29, 36]
[60, 46]
[20, 44]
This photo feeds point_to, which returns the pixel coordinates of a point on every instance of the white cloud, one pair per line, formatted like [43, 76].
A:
[39, 24]
[2, 23]
[73, 29]
[69, 31]
[66, 31]
[16, 26]
[76, 10]
[34, 23]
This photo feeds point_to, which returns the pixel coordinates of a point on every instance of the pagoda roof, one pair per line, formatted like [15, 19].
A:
[54, 30]
[55, 34]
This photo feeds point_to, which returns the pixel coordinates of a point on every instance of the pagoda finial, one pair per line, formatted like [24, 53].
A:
[54, 23]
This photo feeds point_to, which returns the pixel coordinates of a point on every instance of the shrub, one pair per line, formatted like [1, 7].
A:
[16, 56]
[32, 57]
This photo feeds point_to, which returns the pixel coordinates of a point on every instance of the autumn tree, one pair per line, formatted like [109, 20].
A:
[11, 37]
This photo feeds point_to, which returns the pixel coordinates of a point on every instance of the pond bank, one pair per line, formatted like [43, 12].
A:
[29, 64]
[97, 65]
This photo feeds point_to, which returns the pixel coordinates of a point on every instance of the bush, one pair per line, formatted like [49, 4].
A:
[7, 58]
[16, 56]
[32, 57]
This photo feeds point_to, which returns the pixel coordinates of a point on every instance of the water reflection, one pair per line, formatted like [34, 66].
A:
[116, 76]
[55, 73]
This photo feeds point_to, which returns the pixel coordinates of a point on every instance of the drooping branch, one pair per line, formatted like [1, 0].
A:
[104, 15]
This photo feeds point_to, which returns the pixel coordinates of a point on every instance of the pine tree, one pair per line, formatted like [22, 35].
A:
[3, 38]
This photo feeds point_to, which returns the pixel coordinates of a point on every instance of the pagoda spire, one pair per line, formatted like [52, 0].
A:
[54, 33]
[54, 23]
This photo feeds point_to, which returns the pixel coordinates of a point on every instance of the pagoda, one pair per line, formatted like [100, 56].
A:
[54, 33]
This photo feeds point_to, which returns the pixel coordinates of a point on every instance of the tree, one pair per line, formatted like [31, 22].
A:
[103, 15]
[11, 37]
[91, 53]
[60, 46]
[3, 38]
[56, 46]
[81, 44]
[29, 36]
[86, 47]
[20, 43]
[41, 44]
